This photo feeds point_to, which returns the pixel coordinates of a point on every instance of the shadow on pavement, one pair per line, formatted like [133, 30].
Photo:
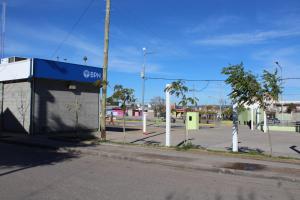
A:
[294, 148]
[15, 158]
[120, 129]
[247, 150]
[144, 138]
[19, 151]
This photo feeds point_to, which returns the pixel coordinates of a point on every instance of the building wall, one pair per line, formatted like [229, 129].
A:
[58, 108]
[16, 106]
[244, 116]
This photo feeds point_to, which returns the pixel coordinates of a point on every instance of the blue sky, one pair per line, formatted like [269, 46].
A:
[189, 39]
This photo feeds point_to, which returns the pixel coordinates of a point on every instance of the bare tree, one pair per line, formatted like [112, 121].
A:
[22, 106]
[158, 104]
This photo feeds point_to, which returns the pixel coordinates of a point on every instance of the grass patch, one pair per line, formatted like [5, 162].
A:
[226, 122]
[201, 124]
[188, 146]
[191, 148]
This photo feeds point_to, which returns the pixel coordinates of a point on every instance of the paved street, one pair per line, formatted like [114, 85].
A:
[34, 173]
[215, 138]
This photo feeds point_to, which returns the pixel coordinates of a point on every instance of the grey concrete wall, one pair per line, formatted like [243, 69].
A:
[16, 106]
[59, 109]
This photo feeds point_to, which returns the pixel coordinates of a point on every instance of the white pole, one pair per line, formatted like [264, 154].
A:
[252, 117]
[168, 117]
[235, 129]
[258, 118]
[265, 122]
[144, 122]
[143, 91]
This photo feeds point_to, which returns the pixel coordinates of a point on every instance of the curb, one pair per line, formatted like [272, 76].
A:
[173, 164]
[214, 169]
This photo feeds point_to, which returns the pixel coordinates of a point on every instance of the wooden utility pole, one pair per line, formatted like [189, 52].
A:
[105, 63]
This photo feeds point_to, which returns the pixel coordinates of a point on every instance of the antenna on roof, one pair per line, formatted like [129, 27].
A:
[3, 20]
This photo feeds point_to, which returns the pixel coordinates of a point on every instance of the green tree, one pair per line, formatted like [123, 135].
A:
[179, 89]
[227, 112]
[247, 90]
[291, 108]
[111, 101]
[125, 96]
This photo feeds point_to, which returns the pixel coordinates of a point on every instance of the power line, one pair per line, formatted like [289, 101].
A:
[290, 78]
[72, 28]
[203, 80]
[183, 79]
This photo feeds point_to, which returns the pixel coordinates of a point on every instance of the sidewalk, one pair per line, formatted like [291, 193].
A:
[284, 170]
[284, 144]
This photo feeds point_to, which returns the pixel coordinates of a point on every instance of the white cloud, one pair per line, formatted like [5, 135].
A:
[247, 38]
[42, 41]
[212, 24]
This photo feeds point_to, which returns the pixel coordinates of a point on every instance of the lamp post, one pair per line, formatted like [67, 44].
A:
[281, 84]
[143, 89]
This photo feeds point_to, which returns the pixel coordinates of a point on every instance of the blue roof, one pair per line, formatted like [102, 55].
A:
[65, 71]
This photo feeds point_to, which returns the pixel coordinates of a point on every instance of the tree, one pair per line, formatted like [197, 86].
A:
[111, 101]
[247, 90]
[179, 89]
[23, 105]
[291, 108]
[227, 113]
[124, 96]
[158, 105]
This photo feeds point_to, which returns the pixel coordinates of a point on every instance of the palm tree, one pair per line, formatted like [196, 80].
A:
[125, 96]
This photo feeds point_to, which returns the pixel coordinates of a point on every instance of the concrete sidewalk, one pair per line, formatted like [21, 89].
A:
[197, 160]
[285, 144]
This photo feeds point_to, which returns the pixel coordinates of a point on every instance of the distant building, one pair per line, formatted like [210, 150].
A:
[278, 114]
[42, 96]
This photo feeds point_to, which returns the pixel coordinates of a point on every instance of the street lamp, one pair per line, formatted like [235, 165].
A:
[281, 84]
[143, 89]
[143, 76]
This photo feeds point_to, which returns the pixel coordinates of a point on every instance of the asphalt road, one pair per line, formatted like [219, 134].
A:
[32, 173]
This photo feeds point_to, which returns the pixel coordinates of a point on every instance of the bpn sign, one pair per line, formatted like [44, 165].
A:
[66, 71]
[91, 74]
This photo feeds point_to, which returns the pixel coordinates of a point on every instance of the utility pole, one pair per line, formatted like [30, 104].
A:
[143, 91]
[281, 84]
[102, 127]
[194, 91]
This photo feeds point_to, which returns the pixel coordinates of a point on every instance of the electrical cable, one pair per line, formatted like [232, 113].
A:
[182, 79]
[72, 28]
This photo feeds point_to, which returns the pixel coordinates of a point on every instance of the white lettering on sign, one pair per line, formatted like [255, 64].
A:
[90, 74]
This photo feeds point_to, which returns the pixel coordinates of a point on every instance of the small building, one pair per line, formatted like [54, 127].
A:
[42, 96]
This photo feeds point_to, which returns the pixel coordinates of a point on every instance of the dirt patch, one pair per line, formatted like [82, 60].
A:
[245, 166]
